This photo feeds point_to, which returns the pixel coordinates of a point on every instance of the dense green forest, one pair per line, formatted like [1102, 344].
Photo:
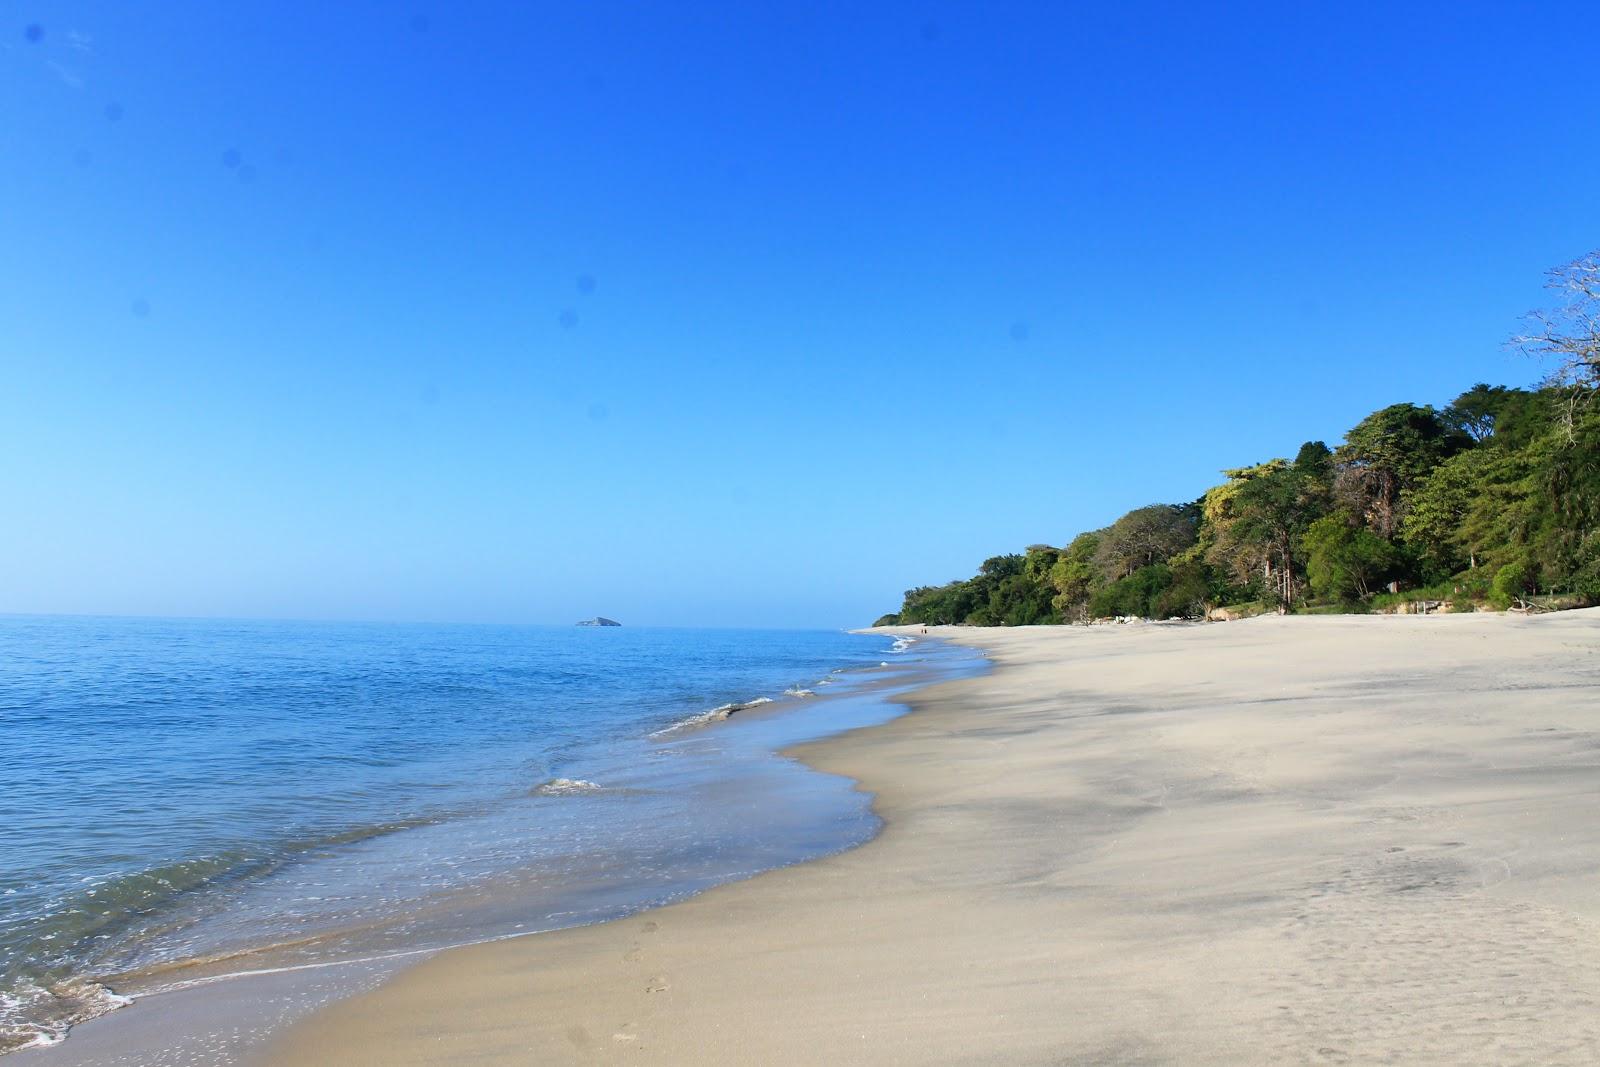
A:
[1492, 500]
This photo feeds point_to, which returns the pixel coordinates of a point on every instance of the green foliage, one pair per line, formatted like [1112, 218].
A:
[1476, 411]
[1192, 587]
[1532, 499]
[1009, 590]
[1387, 454]
[1527, 417]
[1502, 478]
[1023, 601]
[1072, 577]
[1145, 536]
[1501, 482]
[1134, 594]
[1461, 593]
[1036, 565]
[1259, 516]
[1346, 562]
[939, 605]
[1314, 459]
[888, 620]
[1435, 522]
[1510, 585]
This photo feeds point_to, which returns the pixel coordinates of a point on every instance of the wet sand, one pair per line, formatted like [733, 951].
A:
[1297, 840]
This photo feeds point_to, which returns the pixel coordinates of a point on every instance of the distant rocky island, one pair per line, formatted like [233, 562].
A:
[599, 620]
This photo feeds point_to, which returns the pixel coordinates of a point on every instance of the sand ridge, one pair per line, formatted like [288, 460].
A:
[1289, 840]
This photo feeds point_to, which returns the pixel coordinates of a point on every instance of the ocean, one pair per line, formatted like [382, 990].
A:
[184, 800]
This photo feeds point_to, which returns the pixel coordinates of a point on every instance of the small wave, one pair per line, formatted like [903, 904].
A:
[902, 643]
[798, 691]
[560, 787]
[90, 929]
[714, 715]
[32, 1016]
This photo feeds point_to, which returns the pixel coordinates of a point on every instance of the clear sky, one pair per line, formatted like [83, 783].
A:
[727, 314]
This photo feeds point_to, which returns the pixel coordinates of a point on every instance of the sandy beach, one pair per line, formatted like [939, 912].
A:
[1286, 840]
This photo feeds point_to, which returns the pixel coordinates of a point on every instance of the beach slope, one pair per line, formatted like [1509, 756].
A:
[1287, 840]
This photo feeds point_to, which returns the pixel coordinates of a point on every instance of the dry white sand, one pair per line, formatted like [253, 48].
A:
[1301, 840]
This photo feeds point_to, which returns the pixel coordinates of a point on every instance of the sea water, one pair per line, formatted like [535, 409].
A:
[183, 800]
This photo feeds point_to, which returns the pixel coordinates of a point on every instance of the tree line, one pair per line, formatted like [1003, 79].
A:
[1491, 500]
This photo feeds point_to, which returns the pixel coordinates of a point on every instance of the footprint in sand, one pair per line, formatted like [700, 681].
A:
[657, 985]
[636, 953]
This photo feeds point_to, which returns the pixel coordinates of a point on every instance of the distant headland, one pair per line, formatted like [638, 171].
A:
[599, 620]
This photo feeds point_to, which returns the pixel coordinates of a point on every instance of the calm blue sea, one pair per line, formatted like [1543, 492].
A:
[184, 798]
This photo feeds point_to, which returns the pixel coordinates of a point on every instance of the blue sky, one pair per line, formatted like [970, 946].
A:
[717, 314]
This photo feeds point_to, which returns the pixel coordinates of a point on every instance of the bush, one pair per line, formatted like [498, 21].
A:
[1353, 608]
[1510, 583]
[1346, 562]
[1140, 594]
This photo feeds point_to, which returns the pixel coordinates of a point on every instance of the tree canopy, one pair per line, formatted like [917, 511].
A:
[1491, 499]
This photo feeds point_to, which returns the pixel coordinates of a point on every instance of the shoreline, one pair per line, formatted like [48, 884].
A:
[1313, 839]
[730, 755]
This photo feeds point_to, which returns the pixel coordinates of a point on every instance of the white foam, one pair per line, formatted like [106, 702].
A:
[62, 1007]
[556, 787]
[714, 715]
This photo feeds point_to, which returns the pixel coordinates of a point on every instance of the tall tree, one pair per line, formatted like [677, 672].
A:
[1569, 333]
[1272, 513]
[1144, 536]
[1388, 453]
[1476, 411]
[1225, 540]
[1315, 460]
[1072, 576]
